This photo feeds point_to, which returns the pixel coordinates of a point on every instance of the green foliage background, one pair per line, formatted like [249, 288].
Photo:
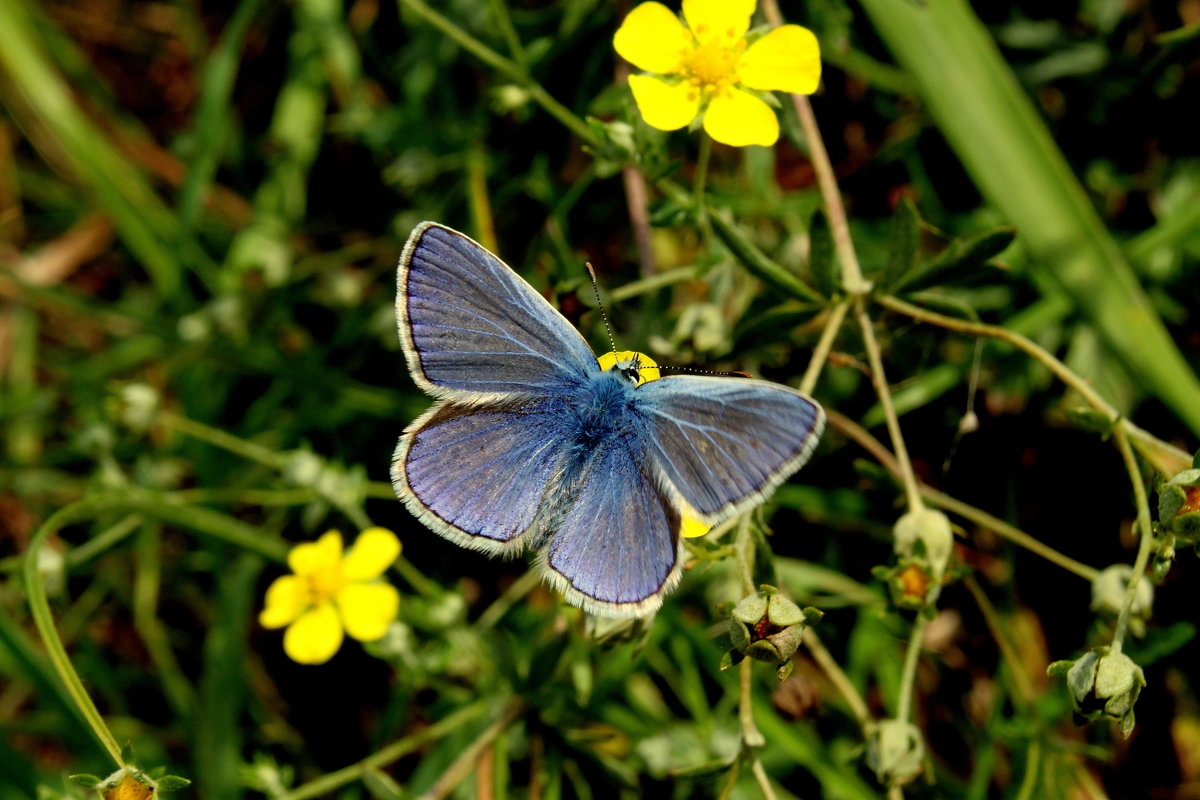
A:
[209, 200]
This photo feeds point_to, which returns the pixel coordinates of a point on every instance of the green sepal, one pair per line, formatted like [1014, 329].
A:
[171, 783]
[85, 779]
[785, 670]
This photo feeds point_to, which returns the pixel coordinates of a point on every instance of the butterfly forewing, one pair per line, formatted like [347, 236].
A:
[470, 325]
[723, 443]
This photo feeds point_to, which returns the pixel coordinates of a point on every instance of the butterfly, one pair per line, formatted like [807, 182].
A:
[531, 445]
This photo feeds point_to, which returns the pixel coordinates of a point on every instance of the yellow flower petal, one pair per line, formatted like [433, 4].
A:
[665, 106]
[324, 553]
[721, 20]
[739, 118]
[285, 601]
[788, 59]
[610, 359]
[315, 637]
[652, 38]
[693, 527]
[368, 608]
[373, 552]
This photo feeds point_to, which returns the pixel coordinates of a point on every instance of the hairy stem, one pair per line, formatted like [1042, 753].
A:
[1145, 534]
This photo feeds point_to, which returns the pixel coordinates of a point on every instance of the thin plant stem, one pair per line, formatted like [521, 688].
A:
[466, 761]
[875, 359]
[833, 671]
[908, 678]
[760, 775]
[507, 67]
[839, 228]
[1145, 533]
[744, 548]
[219, 438]
[386, 755]
[985, 520]
[833, 324]
[751, 735]
[509, 31]
[731, 777]
[1033, 769]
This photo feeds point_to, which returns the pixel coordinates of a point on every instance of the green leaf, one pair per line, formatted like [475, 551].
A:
[904, 242]
[963, 258]
[85, 780]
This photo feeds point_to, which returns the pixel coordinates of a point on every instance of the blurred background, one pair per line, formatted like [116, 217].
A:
[201, 210]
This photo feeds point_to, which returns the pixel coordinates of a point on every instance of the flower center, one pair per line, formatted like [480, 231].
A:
[712, 64]
[323, 583]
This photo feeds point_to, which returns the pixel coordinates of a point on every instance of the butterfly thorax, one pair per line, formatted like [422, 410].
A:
[605, 410]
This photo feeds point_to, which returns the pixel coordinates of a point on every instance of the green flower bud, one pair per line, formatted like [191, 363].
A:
[1179, 506]
[1108, 596]
[924, 535]
[767, 626]
[1103, 683]
[895, 752]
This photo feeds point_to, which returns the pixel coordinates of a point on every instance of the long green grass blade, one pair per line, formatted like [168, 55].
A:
[1006, 148]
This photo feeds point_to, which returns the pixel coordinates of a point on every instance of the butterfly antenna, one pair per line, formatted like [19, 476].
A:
[695, 371]
[600, 303]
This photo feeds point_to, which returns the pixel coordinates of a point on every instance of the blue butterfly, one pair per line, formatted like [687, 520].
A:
[532, 445]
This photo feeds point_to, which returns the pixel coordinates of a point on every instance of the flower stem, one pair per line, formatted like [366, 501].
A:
[839, 228]
[908, 678]
[874, 358]
[833, 324]
[833, 671]
[1145, 532]
[219, 438]
[507, 67]
[760, 775]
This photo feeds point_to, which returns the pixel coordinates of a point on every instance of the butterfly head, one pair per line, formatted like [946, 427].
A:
[635, 368]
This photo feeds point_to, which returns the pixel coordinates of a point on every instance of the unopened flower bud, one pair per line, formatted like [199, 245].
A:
[767, 626]
[895, 752]
[1179, 506]
[924, 534]
[1103, 683]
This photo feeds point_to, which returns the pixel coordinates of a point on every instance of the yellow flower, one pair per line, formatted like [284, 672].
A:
[330, 594]
[709, 66]
[692, 527]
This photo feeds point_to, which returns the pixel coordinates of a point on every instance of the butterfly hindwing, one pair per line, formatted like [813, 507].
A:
[472, 328]
[478, 475]
[616, 550]
[724, 443]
